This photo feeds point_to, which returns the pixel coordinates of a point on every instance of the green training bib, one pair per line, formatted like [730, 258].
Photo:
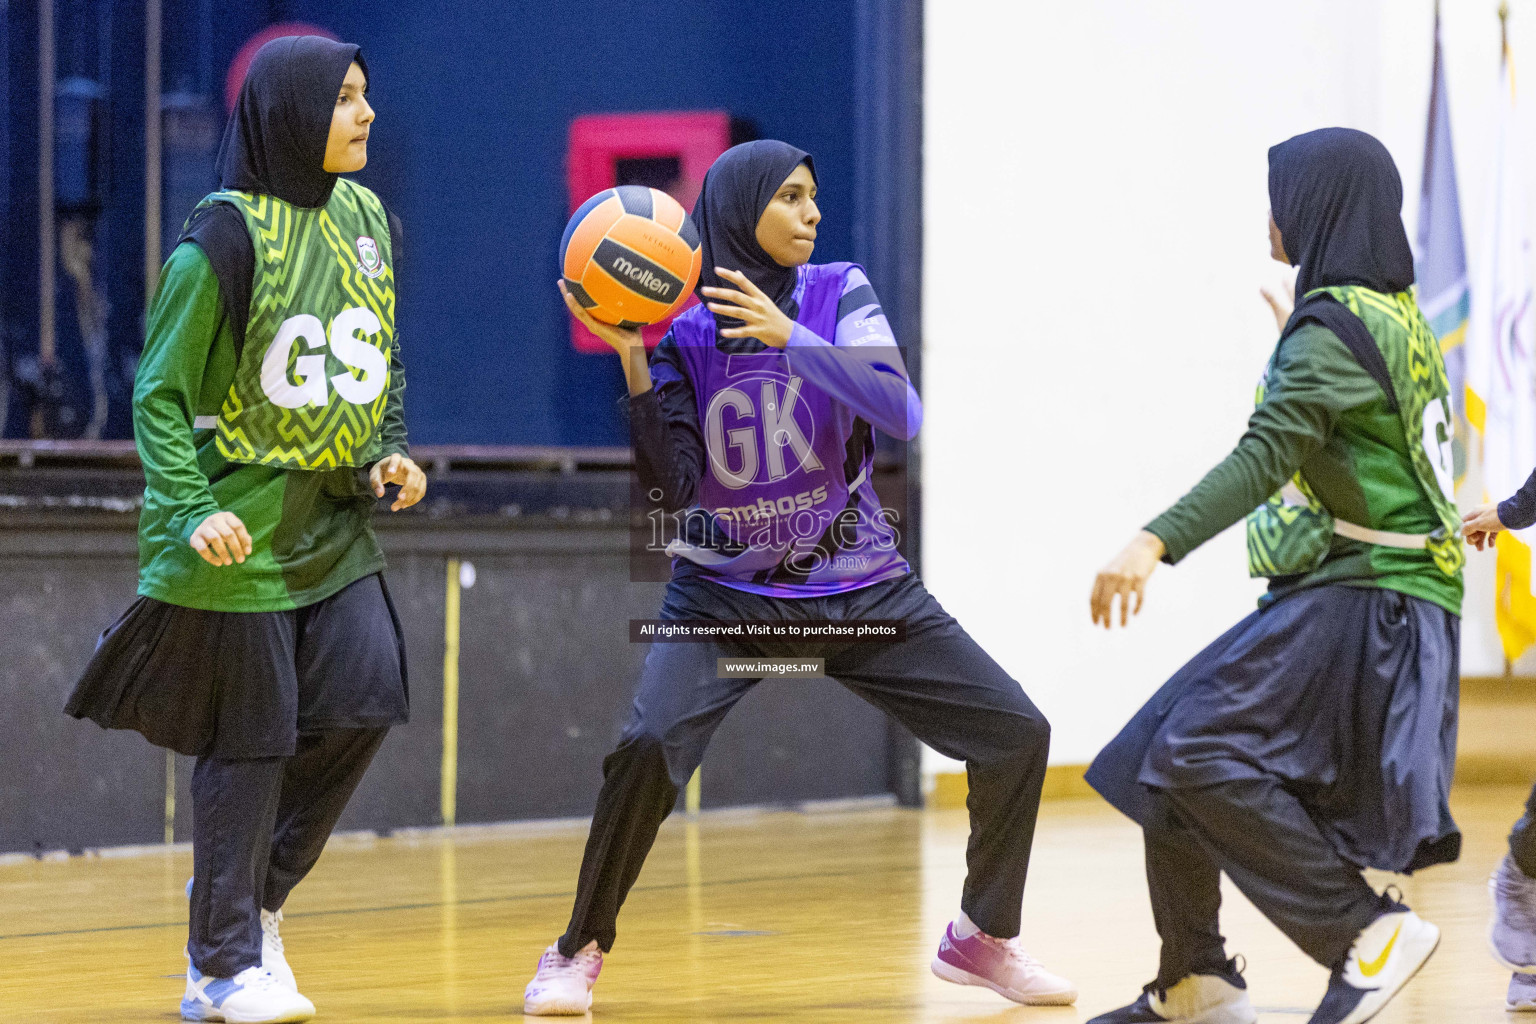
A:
[313, 379]
[1292, 532]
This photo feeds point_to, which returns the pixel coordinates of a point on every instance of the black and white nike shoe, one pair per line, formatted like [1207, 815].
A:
[1196, 999]
[1385, 955]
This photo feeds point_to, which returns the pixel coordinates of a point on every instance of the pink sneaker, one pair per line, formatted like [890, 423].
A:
[1003, 966]
[563, 985]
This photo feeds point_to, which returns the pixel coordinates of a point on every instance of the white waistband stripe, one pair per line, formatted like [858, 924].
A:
[1383, 538]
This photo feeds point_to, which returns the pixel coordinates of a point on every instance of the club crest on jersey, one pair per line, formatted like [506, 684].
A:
[368, 262]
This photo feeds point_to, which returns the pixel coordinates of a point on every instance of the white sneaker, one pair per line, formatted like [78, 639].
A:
[1521, 997]
[563, 985]
[1385, 955]
[272, 957]
[1194, 999]
[1512, 931]
[1207, 998]
[1002, 965]
[251, 997]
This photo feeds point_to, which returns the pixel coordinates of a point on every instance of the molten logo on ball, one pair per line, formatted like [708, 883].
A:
[642, 277]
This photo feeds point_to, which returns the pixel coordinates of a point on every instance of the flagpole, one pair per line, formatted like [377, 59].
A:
[1434, 104]
[1509, 665]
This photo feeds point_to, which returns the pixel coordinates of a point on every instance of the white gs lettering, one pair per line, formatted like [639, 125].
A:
[1437, 445]
[345, 345]
[358, 354]
[311, 389]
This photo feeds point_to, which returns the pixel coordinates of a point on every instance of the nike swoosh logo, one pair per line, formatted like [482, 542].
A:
[1372, 968]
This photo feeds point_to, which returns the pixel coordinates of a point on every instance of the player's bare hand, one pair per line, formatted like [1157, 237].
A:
[221, 539]
[761, 319]
[399, 469]
[621, 339]
[1282, 300]
[1481, 525]
[1126, 574]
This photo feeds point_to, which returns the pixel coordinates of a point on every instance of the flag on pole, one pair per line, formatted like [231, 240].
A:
[1440, 263]
[1501, 376]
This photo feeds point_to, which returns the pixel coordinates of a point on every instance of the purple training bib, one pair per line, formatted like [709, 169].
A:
[787, 473]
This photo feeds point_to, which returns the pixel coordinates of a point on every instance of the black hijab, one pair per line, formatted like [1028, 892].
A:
[274, 144]
[737, 189]
[275, 140]
[1338, 200]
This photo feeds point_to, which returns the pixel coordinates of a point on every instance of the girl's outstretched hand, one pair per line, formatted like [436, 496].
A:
[1481, 525]
[1282, 300]
[622, 339]
[761, 319]
[1126, 574]
[399, 469]
[221, 539]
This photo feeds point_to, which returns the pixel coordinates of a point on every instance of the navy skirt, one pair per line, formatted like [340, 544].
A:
[237, 685]
[1346, 695]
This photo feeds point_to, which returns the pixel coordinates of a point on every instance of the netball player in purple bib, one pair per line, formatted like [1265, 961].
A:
[755, 415]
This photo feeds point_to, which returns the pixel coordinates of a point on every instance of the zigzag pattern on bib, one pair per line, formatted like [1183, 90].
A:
[1423, 366]
[307, 264]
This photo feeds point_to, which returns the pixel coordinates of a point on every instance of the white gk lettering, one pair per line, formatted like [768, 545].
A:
[734, 454]
[352, 351]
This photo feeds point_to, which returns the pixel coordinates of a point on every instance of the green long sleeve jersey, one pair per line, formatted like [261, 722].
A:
[1324, 415]
[310, 531]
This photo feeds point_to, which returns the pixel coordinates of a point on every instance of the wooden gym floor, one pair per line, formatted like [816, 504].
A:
[826, 917]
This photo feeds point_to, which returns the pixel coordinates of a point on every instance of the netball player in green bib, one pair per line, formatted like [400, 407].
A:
[1317, 736]
[267, 413]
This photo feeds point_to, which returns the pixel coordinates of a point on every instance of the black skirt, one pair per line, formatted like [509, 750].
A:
[236, 685]
[1347, 695]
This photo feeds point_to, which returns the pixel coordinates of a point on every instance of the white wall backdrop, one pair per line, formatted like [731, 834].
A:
[1095, 236]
